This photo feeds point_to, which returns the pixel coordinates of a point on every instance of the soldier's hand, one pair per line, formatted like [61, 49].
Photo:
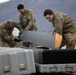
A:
[19, 36]
[17, 39]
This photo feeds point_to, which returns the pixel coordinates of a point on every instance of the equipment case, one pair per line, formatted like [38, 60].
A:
[55, 60]
[16, 61]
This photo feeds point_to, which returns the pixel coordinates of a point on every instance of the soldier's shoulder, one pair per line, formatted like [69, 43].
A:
[29, 11]
[3, 23]
[59, 14]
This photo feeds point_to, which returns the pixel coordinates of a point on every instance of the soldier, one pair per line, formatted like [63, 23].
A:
[27, 21]
[64, 25]
[6, 29]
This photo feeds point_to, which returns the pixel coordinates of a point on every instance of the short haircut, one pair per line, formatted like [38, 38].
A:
[20, 6]
[48, 11]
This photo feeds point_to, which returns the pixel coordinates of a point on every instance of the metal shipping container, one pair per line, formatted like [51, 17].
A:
[16, 61]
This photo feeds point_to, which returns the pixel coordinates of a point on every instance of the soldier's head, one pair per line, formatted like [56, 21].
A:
[48, 14]
[9, 24]
[21, 8]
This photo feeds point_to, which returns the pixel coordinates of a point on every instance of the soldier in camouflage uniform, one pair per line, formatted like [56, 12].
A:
[6, 29]
[27, 21]
[63, 25]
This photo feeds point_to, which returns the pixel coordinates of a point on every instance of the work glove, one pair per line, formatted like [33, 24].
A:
[19, 36]
[17, 39]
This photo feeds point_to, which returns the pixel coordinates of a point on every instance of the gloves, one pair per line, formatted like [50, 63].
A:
[19, 36]
[17, 39]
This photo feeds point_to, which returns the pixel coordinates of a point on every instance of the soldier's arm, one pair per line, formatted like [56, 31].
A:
[31, 20]
[8, 38]
[59, 26]
[5, 36]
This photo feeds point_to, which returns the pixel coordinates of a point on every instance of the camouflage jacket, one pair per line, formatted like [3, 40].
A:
[63, 23]
[6, 33]
[28, 21]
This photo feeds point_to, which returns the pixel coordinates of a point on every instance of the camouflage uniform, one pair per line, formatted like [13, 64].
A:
[6, 33]
[65, 26]
[28, 22]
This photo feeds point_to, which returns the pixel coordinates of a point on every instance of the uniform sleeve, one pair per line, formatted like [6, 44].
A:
[5, 36]
[59, 26]
[8, 38]
[31, 20]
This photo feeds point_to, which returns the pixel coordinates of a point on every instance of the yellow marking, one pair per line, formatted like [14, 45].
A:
[22, 66]
[58, 40]
[6, 68]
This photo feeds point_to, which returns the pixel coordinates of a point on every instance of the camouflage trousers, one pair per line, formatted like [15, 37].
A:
[7, 44]
[69, 40]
